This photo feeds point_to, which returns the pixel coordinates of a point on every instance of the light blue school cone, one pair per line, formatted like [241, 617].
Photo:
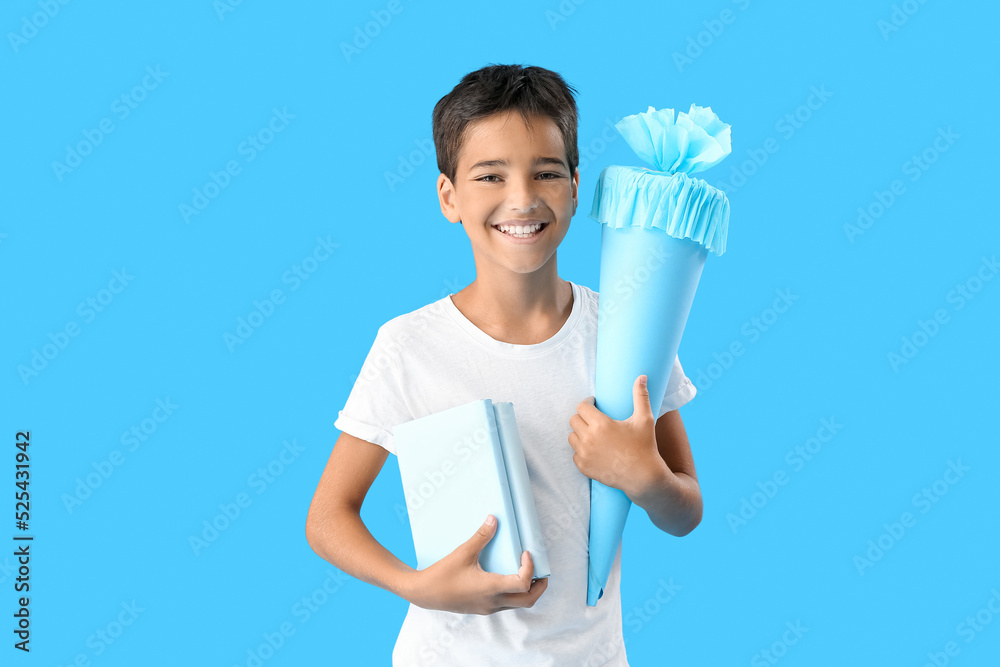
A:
[659, 227]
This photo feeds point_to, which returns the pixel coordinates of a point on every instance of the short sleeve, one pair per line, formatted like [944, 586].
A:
[376, 403]
[679, 391]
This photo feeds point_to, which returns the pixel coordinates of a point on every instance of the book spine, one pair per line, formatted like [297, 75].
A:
[512, 528]
[528, 526]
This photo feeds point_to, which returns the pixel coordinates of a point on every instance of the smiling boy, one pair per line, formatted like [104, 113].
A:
[507, 152]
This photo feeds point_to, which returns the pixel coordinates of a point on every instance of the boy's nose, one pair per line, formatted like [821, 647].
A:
[522, 196]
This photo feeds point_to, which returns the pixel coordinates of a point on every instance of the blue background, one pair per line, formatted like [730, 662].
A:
[358, 116]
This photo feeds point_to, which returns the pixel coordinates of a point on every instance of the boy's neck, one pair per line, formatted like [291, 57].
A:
[523, 309]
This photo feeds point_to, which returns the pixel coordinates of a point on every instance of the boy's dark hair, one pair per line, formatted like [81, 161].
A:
[497, 88]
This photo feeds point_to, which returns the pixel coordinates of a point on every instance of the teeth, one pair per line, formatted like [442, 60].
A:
[526, 230]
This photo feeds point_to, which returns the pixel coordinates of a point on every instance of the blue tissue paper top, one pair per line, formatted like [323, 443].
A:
[667, 197]
[691, 142]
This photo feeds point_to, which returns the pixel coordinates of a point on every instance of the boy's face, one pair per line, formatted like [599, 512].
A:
[511, 174]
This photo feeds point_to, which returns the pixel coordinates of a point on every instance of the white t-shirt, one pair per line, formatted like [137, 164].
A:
[435, 358]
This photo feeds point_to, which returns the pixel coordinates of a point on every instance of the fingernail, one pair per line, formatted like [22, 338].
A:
[524, 558]
[490, 520]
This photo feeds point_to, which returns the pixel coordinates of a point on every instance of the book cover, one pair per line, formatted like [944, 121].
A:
[457, 466]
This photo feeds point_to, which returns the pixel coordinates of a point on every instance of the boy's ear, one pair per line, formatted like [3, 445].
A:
[576, 188]
[446, 198]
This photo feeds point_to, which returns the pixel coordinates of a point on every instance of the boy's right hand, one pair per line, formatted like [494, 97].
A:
[458, 583]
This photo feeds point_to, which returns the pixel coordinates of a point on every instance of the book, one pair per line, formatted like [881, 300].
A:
[457, 466]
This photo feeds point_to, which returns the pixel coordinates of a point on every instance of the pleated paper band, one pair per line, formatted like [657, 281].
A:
[682, 206]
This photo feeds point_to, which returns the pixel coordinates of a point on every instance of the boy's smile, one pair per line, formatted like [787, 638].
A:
[513, 192]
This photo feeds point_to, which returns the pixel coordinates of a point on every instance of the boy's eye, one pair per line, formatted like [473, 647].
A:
[545, 176]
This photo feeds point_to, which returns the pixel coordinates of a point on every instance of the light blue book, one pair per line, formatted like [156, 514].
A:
[459, 465]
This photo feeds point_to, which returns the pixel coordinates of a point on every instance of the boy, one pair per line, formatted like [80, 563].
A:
[507, 151]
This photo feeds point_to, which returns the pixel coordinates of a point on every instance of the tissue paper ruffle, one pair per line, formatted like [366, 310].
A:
[684, 207]
[691, 142]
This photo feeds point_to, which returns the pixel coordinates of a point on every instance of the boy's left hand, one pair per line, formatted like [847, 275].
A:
[617, 453]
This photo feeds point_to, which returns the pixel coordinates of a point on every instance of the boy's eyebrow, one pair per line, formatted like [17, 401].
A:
[503, 163]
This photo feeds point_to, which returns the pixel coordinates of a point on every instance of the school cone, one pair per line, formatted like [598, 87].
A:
[658, 228]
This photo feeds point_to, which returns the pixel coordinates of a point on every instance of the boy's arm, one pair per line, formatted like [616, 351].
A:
[671, 493]
[648, 459]
[334, 527]
[456, 583]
